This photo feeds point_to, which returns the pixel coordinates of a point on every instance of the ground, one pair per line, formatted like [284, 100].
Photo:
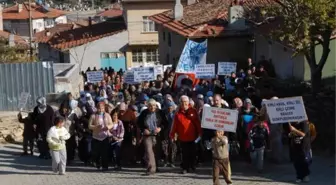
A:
[29, 170]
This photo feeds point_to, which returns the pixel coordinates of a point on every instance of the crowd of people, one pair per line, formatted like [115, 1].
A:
[117, 124]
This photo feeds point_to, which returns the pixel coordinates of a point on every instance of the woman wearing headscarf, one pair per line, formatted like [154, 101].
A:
[43, 116]
[70, 124]
[90, 107]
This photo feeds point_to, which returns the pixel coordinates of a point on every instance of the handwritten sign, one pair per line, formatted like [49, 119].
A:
[142, 74]
[129, 77]
[165, 67]
[286, 110]
[205, 71]
[219, 119]
[226, 68]
[95, 76]
[23, 100]
[158, 70]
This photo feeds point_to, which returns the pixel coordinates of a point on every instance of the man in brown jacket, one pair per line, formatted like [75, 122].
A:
[220, 157]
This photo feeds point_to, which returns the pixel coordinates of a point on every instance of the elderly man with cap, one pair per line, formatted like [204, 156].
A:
[151, 122]
[43, 116]
[187, 126]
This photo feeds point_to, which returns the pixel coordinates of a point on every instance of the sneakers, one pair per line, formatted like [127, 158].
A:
[184, 172]
[298, 180]
[62, 173]
[306, 179]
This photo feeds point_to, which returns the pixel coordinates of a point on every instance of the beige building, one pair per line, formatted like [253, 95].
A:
[143, 40]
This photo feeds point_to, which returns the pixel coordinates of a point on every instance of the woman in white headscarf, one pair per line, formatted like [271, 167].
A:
[43, 116]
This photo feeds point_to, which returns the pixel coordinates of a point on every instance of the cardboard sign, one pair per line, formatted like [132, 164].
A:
[142, 74]
[165, 67]
[158, 70]
[23, 100]
[205, 71]
[95, 76]
[226, 68]
[286, 110]
[219, 119]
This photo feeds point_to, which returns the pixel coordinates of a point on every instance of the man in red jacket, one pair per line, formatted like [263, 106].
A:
[187, 126]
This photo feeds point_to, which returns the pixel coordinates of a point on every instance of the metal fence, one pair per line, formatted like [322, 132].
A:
[36, 78]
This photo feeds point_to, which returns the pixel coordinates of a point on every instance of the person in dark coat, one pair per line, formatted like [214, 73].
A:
[43, 117]
[28, 133]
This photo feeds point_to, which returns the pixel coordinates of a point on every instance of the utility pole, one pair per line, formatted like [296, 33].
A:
[30, 32]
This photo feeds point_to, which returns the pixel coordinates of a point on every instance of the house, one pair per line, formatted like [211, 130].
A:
[96, 45]
[16, 18]
[143, 42]
[229, 37]
[108, 15]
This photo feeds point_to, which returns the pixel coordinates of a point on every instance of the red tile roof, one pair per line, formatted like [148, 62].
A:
[17, 39]
[111, 13]
[38, 11]
[81, 22]
[206, 18]
[45, 35]
[79, 36]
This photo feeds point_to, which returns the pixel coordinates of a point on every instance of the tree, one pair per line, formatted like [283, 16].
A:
[302, 25]
[18, 53]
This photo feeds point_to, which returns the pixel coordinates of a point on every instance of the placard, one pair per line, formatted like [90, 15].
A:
[158, 70]
[142, 74]
[205, 71]
[129, 77]
[165, 67]
[286, 110]
[226, 68]
[23, 100]
[95, 76]
[219, 119]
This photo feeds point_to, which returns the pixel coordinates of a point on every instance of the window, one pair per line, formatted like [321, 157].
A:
[148, 25]
[137, 55]
[49, 22]
[152, 55]
[111, 55]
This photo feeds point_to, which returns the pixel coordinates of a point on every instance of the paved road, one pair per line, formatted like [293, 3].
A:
[16, 170]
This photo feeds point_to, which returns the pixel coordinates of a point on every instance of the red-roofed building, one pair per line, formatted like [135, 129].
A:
[229, 38]
[96, 45]
[16, 18]
[109, 14]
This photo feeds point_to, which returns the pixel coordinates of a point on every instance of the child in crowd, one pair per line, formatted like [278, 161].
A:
[56, 137]
[28, 133]
[220, 156]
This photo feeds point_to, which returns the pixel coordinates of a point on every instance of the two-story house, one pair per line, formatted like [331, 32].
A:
[143, 42]
[16, 18]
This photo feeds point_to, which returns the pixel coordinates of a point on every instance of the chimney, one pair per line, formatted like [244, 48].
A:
[236, 17]
[190, 2]
[19, 7]
[11, 41]
[47, 33]
[178, 10]
[90, 21]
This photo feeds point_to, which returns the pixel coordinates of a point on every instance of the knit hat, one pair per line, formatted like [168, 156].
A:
[248, 100]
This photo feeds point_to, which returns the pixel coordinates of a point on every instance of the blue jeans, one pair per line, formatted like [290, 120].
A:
[257, 157]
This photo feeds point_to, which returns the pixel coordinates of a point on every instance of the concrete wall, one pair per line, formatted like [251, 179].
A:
[285, 65]
[89, 54]
[69, 81]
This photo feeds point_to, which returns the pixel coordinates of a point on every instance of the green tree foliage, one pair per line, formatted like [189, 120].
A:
[13, 54]
[303, 24]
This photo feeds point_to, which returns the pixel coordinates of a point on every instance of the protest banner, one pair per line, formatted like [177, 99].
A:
[219, 119]
[226, 68]
[142, 74]
[286, 110]
[23, 100]
[94, 76]
[158, 70]
[129, 77]
[165, 67]
[205, 71]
